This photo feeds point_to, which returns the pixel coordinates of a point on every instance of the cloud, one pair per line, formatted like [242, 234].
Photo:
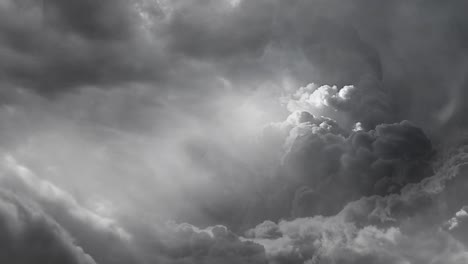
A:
[98, 236]
[321, 158]
[347, 105]
[52, 227]
[397, 228]
[188, 244]
[60, 45]
[31, 236]
[177, 44]
[120, 115]
[329, 240]
[220, 32]
[174, 43]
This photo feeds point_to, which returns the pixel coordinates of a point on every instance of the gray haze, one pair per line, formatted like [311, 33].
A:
[233, 131]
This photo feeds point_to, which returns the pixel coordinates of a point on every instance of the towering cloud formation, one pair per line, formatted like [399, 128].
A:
[321, 158]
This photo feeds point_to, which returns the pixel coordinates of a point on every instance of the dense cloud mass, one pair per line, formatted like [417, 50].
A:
[233, 131]
[399, 228]
[29, 236]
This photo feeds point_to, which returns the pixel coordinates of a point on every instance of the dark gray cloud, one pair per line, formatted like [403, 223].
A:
[55, 46]
[31, 236]
[217, 245]
[222, 31]
[96, 235]
[363, 163]
[64, 45]
[107, 20]
[44, 223]
[407, 226]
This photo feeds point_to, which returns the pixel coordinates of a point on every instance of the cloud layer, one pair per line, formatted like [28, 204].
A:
[155, 131]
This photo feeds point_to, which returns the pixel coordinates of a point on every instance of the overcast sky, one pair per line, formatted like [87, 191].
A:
[233, 131]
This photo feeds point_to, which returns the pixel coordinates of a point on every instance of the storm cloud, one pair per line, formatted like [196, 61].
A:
[233, 131]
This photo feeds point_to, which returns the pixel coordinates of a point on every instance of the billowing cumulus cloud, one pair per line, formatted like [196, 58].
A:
[346, 104]
[378, 229]
[156, 131]
[318, 240]
[322, 158]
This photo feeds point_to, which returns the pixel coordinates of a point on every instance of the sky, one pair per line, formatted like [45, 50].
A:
[233, 131]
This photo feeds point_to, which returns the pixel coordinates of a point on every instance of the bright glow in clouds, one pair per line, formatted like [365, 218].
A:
[234, 3]
[316, 99]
